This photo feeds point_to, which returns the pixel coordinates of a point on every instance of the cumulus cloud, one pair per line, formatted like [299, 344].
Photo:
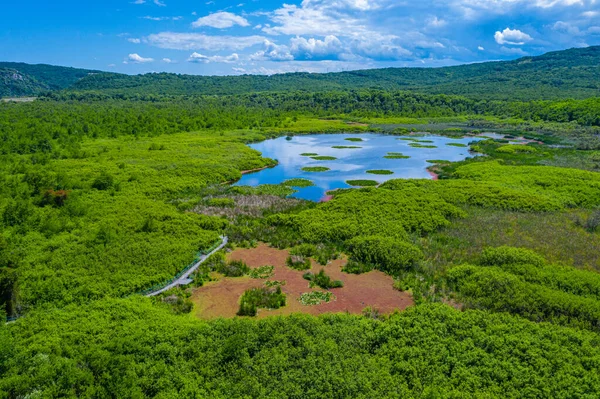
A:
[137, 59]
[134, 40]
[197, 41]
[203, 59]
[221, 20]
[168, 61]
[512, 37]
[315, 49]
[272, 52]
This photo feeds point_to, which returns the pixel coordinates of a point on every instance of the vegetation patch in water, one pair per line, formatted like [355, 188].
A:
[298, 183]
[309, 154]
[342, 147]
[396, 155]
[418, 145]
[380, 172]
[438, 161]
[362, 183]
[315, 169]
[457, 145]
[324, 158]
[354, 139]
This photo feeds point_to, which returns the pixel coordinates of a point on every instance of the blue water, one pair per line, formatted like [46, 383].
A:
[351, 164]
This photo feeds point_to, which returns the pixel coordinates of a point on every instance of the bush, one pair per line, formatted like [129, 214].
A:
[256, 298]
[234, 268]
[354, 267]
[388, 254]
[221, 202]
[322, 280]
[298, 262]
[509, 255]
[103, 182]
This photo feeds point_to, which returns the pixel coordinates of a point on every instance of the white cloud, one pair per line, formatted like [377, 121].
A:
[273, 52]
[197, 41]
[480, 48]
[221, 20]
[138, 2]
[314, 49]
[134, 40]
[137, 59]
[512, 37]
[159, 3]
[168, 61]
[203, 59]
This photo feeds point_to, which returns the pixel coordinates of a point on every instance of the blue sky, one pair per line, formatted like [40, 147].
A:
[223, 37]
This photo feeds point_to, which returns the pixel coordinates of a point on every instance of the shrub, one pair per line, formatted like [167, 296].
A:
[103, 182]
[387, 254]
[262, 272]
[234, 268]
[298, 262]
[354, 267]
[221, 202]
[509, 255]
[256, 298]
[322, 280]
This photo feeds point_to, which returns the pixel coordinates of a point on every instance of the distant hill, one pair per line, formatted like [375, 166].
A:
[20, 79]
[573, 73]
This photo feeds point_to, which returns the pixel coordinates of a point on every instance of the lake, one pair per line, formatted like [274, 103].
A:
[352, 163]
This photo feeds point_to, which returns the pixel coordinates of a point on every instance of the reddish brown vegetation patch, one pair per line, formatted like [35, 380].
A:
[374, 289]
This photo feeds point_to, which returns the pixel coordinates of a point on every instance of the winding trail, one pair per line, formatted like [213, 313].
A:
[185, 278]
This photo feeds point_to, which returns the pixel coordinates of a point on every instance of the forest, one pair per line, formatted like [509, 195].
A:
[108, 192]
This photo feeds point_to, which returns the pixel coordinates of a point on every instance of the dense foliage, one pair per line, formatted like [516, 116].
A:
[138, 350]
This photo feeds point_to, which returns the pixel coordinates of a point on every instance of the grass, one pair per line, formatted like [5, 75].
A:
[380, 172]
[324, 158]
[315, 169]
[362, 183]
[556, 235]
[262, 272]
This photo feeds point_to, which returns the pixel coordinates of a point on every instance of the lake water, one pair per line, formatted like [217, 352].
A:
[351, 163]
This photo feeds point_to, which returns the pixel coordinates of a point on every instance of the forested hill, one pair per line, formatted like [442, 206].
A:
[20, 79]
[573, 73]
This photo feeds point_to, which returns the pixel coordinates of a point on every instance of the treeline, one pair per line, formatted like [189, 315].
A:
[64, 119]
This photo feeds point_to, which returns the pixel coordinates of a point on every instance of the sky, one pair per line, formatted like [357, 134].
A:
[223, 37]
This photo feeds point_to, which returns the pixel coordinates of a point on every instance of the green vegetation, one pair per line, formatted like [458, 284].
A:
[354, 139]
[417, 145]
[322, 280]
[315, 169]
[298, 262]
[342, 147]
[262, 272]
[362, 183]
[457, 145]
[324, 158]
[380, 172]
[298, 183]
[396, 155]
[316, 298]
[256, 298]
[104, 196]
[309, 154]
